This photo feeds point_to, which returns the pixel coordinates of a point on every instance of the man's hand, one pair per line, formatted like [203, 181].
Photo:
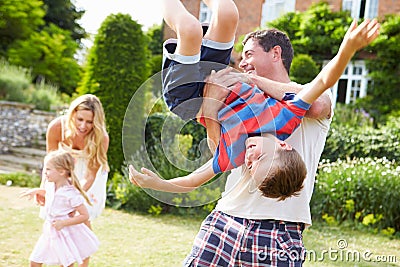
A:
[228, 77]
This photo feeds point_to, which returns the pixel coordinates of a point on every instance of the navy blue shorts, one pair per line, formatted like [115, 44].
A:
[224, 240]
[183, 84]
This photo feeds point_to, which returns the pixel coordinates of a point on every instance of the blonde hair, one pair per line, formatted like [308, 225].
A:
[62, 160]
[94, 148]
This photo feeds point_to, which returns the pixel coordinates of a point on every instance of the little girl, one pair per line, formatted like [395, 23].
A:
[65, 239]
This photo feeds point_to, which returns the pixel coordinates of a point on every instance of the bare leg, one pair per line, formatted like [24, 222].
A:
[224, 20]
[35, 264]
[85, 263]
[186, 26]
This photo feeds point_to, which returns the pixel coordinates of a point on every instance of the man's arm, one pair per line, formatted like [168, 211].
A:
[355, 39]
[148, 179]
[214, 96]
[320, 109]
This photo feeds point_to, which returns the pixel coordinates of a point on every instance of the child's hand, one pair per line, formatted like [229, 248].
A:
[146, 179]
[35, 193]
[361, 36]
[58, 225]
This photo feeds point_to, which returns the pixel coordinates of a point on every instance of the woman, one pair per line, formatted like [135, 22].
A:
[82, 132]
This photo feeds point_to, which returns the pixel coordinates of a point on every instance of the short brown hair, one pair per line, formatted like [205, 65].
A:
[286, 178]
[269, 38]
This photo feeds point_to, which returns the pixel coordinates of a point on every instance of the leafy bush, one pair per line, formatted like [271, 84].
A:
[364, 190]
[44, 96]
[20, 179]
[352, 135]
[169, 151]
[13, 81]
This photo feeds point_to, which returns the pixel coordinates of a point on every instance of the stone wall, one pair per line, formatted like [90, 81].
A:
[22, 126]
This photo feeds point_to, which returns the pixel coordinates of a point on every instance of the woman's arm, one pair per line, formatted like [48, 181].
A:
[53, 134]
[184, 184]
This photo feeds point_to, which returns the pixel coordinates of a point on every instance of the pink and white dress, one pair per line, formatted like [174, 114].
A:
[72, 243]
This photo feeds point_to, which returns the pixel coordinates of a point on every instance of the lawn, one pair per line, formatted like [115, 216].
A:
[145, 240]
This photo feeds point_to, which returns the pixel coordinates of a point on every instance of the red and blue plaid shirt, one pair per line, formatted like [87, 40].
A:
[249, 112]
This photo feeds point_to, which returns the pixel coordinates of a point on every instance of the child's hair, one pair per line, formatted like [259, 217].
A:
[286, 177]
[269, 38]
[94, 147]
[62, 160]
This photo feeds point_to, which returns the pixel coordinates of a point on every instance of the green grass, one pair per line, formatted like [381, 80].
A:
[145, 240]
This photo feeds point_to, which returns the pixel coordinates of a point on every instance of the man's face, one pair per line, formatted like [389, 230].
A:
[255, 60]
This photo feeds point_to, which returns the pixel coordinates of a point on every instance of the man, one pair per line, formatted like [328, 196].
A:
[247, 229]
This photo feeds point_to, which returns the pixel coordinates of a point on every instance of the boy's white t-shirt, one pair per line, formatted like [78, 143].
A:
[242, 199]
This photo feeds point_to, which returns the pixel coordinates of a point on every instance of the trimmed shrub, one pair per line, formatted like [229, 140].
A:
[117, 66]
[303, 69]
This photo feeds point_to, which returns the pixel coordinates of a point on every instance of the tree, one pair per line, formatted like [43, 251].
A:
[317, 31]
[50, 56]
[18, 20]
[384, 69]
[155, 35]
[117, 66]
[64, 14]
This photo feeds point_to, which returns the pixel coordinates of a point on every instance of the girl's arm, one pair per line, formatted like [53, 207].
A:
[38, 194]
[80, 218]
[184, 184]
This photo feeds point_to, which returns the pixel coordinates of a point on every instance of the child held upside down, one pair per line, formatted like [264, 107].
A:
[274, 165]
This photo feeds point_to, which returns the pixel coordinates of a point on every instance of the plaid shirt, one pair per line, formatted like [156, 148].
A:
[249, 112]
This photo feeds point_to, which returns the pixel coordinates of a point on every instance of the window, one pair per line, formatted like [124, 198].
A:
[352, 84]
[273, 9]
[361, 8]
[205, 13]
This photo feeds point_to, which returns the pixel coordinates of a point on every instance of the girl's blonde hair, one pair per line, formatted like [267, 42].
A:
[62, 160]
[94, 148]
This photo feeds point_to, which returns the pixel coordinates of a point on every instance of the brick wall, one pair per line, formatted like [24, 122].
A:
[385, 6]
[303, 5]
[388, 7]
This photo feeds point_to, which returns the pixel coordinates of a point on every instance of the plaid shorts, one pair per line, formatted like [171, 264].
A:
[224, 240]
